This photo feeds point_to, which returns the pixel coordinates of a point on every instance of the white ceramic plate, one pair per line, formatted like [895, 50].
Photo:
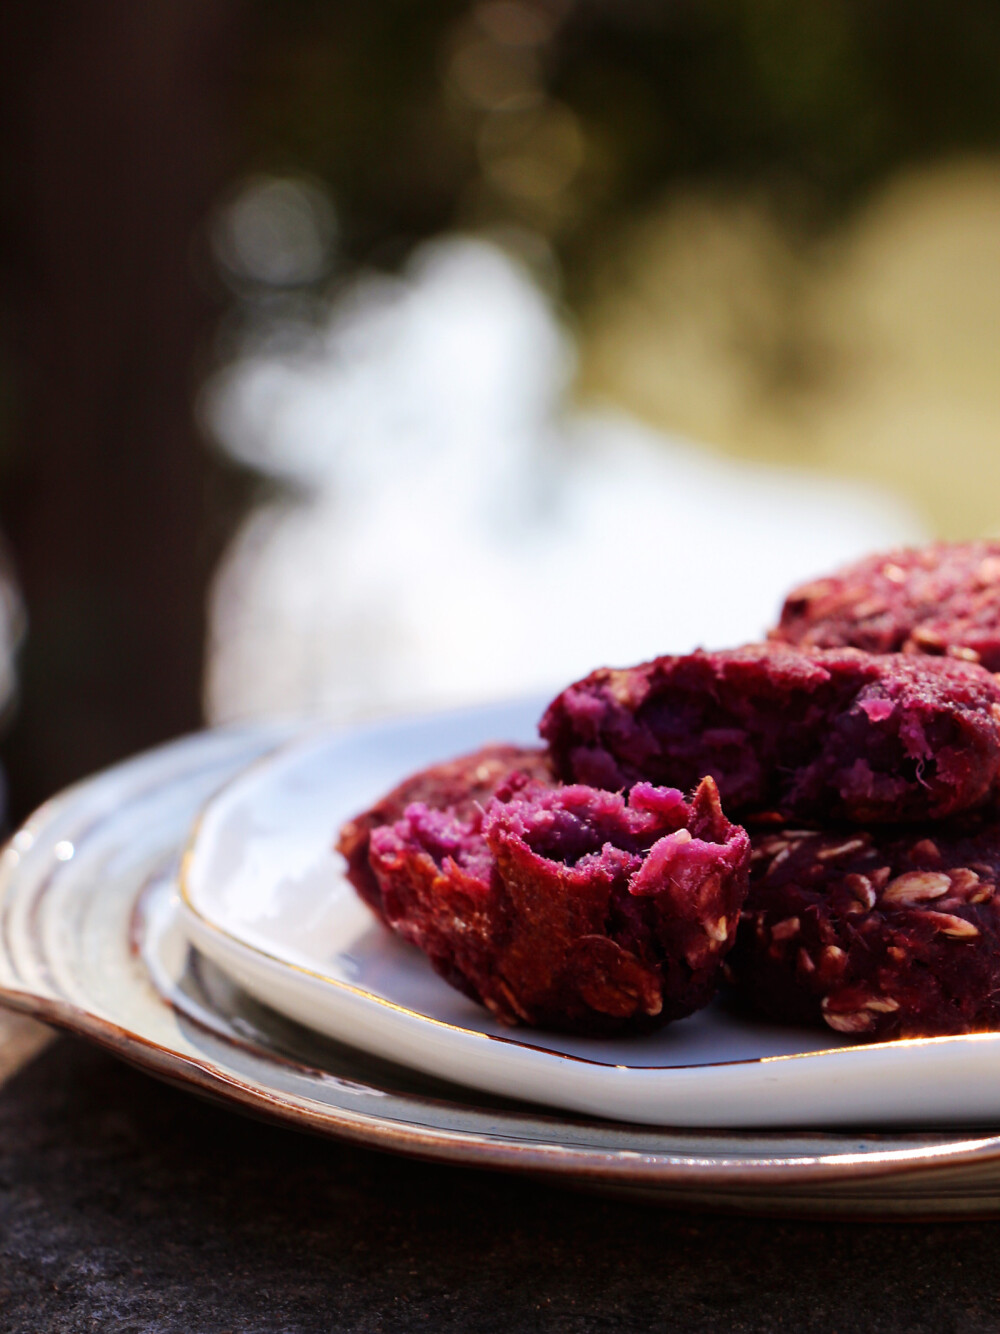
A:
[265, 898]
[90, 939]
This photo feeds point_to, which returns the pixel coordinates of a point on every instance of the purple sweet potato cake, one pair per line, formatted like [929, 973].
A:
[568, 907]
[881, 936]
[805, 734]
[940, 599]
[459, 785]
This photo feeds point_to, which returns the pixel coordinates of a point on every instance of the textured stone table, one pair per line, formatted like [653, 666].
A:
[128, 1206]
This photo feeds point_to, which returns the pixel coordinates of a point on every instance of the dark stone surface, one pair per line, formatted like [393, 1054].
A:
[128, 1206]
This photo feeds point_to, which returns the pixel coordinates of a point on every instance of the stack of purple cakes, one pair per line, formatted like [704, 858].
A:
[836, 860]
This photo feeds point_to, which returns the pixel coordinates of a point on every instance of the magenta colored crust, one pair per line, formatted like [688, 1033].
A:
[940, 599]
[570, 908]
[808, 734]
[874, 936]
[460, 785]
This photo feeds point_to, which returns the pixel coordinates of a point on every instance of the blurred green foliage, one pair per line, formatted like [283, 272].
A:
[812, 101]
[351, 94]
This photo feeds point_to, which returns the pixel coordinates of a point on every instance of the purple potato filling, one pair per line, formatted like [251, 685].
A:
[568, 907]
[836, 734]
[459, 785]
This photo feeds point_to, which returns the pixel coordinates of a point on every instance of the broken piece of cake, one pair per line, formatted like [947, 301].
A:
[568, 907]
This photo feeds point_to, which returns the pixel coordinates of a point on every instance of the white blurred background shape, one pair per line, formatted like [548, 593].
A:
[455, 529]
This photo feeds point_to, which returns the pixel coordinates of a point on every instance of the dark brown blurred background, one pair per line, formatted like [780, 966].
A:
[588, 127]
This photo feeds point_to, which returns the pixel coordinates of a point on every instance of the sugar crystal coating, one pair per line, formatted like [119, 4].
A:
[569, 907]
[874, 935]
[807, 734]
[938, 599]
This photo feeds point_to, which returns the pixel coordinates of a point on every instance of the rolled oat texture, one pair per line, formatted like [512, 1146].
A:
[874, 935]
[941, 599]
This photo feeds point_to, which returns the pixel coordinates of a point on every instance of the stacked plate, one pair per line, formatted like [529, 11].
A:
[187, 910]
